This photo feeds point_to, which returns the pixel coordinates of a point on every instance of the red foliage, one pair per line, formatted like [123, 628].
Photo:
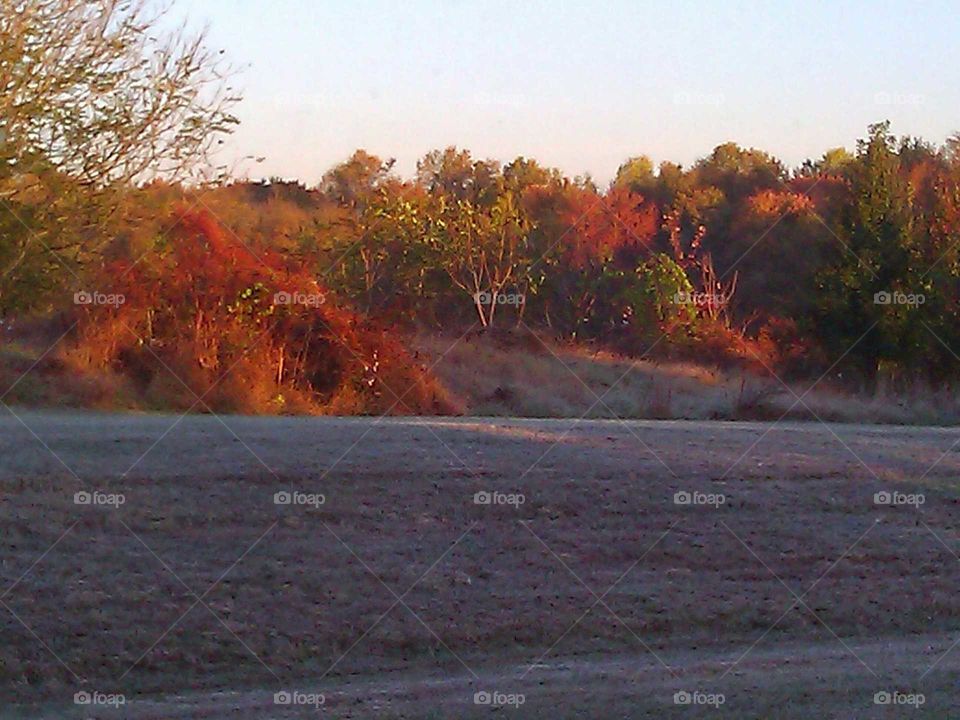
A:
[245, 333]
[605, 226]
[827, 192]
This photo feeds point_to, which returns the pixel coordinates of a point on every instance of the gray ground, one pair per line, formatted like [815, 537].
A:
[399, 596]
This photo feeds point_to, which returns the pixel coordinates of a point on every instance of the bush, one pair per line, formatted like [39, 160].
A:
[212, 318]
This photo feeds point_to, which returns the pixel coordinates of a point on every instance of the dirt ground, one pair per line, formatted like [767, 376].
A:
[578, 583]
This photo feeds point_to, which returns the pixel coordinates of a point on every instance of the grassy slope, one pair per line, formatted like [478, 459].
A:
[523, 376]
[526, 377]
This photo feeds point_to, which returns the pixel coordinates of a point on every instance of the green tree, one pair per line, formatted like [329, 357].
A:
[655, 301]
[483, 248]
[636, 174]
[872, 261]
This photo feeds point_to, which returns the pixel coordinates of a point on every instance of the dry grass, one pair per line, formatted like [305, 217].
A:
[511, 375]
[29, 378]
[499, 375]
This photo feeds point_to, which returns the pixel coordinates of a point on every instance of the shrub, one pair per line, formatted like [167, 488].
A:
[210, 317]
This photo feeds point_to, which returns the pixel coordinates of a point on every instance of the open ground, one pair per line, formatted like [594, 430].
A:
[585, 587]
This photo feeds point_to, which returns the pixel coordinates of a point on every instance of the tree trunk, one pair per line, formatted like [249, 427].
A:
[479, 306]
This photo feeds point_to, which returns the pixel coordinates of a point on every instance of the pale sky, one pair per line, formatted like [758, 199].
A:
[580, 86]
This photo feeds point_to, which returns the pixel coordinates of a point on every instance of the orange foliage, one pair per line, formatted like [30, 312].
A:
[210, 317]
[603, 226]
[774, 204]
[827, 192]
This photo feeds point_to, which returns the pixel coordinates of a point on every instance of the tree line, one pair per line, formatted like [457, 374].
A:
[846, 265]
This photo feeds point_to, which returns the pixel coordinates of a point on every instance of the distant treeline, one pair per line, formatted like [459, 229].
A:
[847, 265]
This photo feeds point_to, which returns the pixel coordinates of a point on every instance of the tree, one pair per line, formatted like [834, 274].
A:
[523, 173]
[872, 260]
[352, 182]
[738, 172]
[364, 233]
[598, 239]
[779, 245]
[383, 266]
[651, 305]
[835, 161]
[483, 248]
[456, 174]
[96, 96]
[636, 174]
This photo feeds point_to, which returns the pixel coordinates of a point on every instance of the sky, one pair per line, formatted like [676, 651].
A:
[579, 86]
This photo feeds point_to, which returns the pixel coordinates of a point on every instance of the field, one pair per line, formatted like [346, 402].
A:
[583, 588]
